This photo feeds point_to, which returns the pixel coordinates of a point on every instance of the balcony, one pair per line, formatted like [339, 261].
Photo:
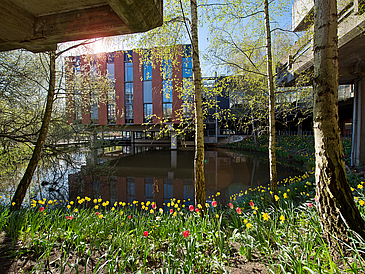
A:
[300, 60]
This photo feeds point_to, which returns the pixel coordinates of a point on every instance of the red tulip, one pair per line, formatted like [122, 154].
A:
[41, 209]
[186, 233]
[197, 210]
[251, 204]
[191, 207]
[230, 205]
[97, 213]
[154, 206]
[239, 211]
[171, 211]
[214, 203]
[129, 216]
[310, 205]
[69, 217]
[145, 233]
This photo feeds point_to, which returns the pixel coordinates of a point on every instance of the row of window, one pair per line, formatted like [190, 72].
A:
[128, 89]
[188, 189]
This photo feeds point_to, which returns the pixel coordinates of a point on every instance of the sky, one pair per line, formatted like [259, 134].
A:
[204, 43]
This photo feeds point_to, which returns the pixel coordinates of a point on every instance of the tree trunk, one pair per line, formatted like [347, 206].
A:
[336, 205]
[270, 80]
[28, 175]
[199, 177]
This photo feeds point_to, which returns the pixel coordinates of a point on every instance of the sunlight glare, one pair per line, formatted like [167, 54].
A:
[98, 46]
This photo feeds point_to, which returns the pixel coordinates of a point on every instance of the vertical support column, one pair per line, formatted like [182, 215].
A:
[355, 126]
[361, 121]
[173, 140]
[358, 133]
[132, 142]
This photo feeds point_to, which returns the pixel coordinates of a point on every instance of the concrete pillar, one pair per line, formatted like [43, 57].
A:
[358, 132]
[132, 142]
[355, 126]
[173, 140]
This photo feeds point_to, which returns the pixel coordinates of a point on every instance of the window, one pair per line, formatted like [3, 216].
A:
[78, 64]
[167, 89]
[167, 110]
[147, 71]
[148, 182]
[113, 191]
[148, 112]
[128, 85]
[188, 87]
[147, 93]
[188, 191]
[128, 72]
[187, 67]
[168, 193]
[96, 186]
[187, 62]
[166, 69]
[131, 190]
[128, 93]
[129, 113]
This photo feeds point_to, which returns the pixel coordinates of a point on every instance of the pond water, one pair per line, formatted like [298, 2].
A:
[159, 174]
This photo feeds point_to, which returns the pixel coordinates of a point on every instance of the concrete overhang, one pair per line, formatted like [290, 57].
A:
[38, 25]
[351, 53]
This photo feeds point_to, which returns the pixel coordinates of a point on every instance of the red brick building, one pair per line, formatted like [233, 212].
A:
[124, 88]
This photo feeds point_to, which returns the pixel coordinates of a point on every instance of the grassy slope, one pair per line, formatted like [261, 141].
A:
[283, 239]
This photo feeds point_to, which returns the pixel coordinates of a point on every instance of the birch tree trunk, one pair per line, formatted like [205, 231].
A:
[199, 177]
[21, 190]
[336, 205]
[270, 80]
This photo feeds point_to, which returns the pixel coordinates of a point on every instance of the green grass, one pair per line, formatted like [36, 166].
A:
[299, 148]
[105, 238]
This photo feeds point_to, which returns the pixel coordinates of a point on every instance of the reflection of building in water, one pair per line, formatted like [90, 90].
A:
[129, 189]
[160, 175]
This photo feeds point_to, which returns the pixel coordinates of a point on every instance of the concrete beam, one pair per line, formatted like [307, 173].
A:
[38, 25]
[140, 16]
[81, 24]
[16, 23]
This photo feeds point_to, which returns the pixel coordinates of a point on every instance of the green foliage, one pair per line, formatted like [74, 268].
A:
[287, 238]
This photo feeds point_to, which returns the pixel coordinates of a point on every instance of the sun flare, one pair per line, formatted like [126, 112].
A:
[98, 46]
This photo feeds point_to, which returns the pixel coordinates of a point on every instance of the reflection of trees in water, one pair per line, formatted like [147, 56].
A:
[51, 177]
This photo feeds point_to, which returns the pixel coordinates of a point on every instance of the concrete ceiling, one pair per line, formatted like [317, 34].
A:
[38, 25]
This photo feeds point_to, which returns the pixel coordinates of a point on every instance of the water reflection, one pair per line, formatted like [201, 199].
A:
[159, 174]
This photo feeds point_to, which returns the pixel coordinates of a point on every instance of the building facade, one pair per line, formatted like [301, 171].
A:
[125, 88]
[136, 92]
[299, 64]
